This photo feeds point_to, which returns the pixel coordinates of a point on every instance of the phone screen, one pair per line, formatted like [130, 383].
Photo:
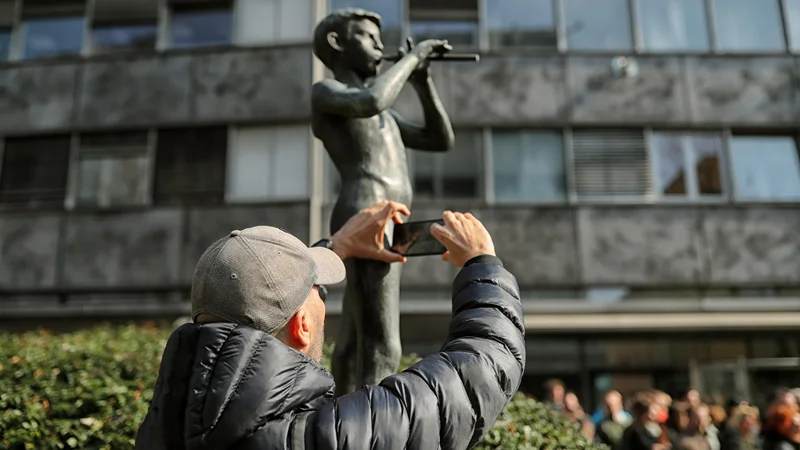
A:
[414, 239]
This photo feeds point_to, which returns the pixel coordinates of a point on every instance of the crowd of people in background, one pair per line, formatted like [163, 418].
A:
[654, 420]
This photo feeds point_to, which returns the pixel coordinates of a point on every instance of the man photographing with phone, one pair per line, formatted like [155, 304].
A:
[245, 374]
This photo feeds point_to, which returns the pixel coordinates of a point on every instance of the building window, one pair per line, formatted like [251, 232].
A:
[674, 25]
[528, 166]
[749, 26]
[610, 163]
[7, 13]
[598, 24]
[391, 16]
[5, 44]
[453, 20]
[113, 169]
[124, 25]
[792, 12]
[199, 24]
[687, 165]
[765, 168]
[268, 163]
[35, 172]
[52, 29]
[190, 166]
[450, 175]
[521, 23]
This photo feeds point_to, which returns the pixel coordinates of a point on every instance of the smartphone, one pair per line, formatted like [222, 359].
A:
[415, 239]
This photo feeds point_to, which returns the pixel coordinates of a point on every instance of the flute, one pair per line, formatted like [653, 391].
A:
[443, 57]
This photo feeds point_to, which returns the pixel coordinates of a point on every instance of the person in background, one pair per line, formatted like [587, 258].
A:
[574, 412]
[678, 423]
[782, 428]
[729, 434]
[741, 429]
[693, 398]
[646, 432]
[707, 428]
[554, 394]
[614, 421]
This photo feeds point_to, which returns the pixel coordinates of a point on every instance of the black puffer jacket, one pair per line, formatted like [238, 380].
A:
[223, 386]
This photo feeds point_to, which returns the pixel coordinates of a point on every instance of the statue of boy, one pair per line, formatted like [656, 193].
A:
[366, 140]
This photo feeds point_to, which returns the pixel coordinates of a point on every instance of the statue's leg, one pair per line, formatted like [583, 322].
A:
[378, 320]
[343, 361]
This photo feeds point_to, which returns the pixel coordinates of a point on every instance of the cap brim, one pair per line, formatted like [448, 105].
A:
[330, 268]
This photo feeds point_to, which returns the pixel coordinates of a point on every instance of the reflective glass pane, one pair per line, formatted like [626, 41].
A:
[124, 37]
[391, 16]
[453, 174]
[424, 166]
[749, 25]
[461, 167]
[109, 181]
[201, 28]
[48, 37]
[765, 168]
[674, 153]
[706, 159]
[521, 23]
[674, 25]
[670, 161]
[598, 24]
[528, 166]
[5, 44]
[460, 33]
[792, 12]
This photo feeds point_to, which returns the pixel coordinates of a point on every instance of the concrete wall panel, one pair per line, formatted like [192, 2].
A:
[123, 249]
[536, 244]
[743, 90]
[641, 246]
[656, 94]
[753, 246]
[28, 250]
[136, 91]
[504, 91]
[267, 84]
[206, 225]
[36, 97]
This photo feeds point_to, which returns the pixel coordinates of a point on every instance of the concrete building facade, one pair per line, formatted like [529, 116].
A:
[636, 161]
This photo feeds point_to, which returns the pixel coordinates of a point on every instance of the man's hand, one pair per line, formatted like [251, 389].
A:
[362, 235]
[464, 236]
[424, 50]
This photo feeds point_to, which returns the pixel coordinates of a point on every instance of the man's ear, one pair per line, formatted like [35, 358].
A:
[334, 41]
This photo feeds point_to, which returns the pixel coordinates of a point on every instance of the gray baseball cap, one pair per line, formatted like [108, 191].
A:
[260, 277]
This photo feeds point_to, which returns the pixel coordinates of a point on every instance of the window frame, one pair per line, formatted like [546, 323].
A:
[89, 39]
[271, 198]
[184, 198]
[167, 18]
[692, 196]
[480, 136]
[71, 203]
[735, 198]
[489, 174]
[67, 180]
[481, 36]
[19, 34]
[639, 39]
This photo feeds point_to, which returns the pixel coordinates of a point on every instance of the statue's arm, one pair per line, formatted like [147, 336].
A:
[333, 97]
[437, 134]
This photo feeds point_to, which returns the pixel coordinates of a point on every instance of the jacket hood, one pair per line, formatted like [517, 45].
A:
[231, 380]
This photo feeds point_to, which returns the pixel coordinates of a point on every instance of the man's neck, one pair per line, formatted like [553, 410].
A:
[349, 76]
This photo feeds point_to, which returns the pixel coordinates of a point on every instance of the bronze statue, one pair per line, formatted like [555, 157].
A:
[367, 143]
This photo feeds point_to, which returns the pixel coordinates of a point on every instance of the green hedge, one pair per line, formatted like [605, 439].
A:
[90, 389]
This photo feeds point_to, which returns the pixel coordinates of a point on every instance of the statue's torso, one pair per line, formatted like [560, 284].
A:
[371, 159]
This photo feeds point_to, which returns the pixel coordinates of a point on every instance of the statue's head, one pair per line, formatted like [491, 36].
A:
[350, 37]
